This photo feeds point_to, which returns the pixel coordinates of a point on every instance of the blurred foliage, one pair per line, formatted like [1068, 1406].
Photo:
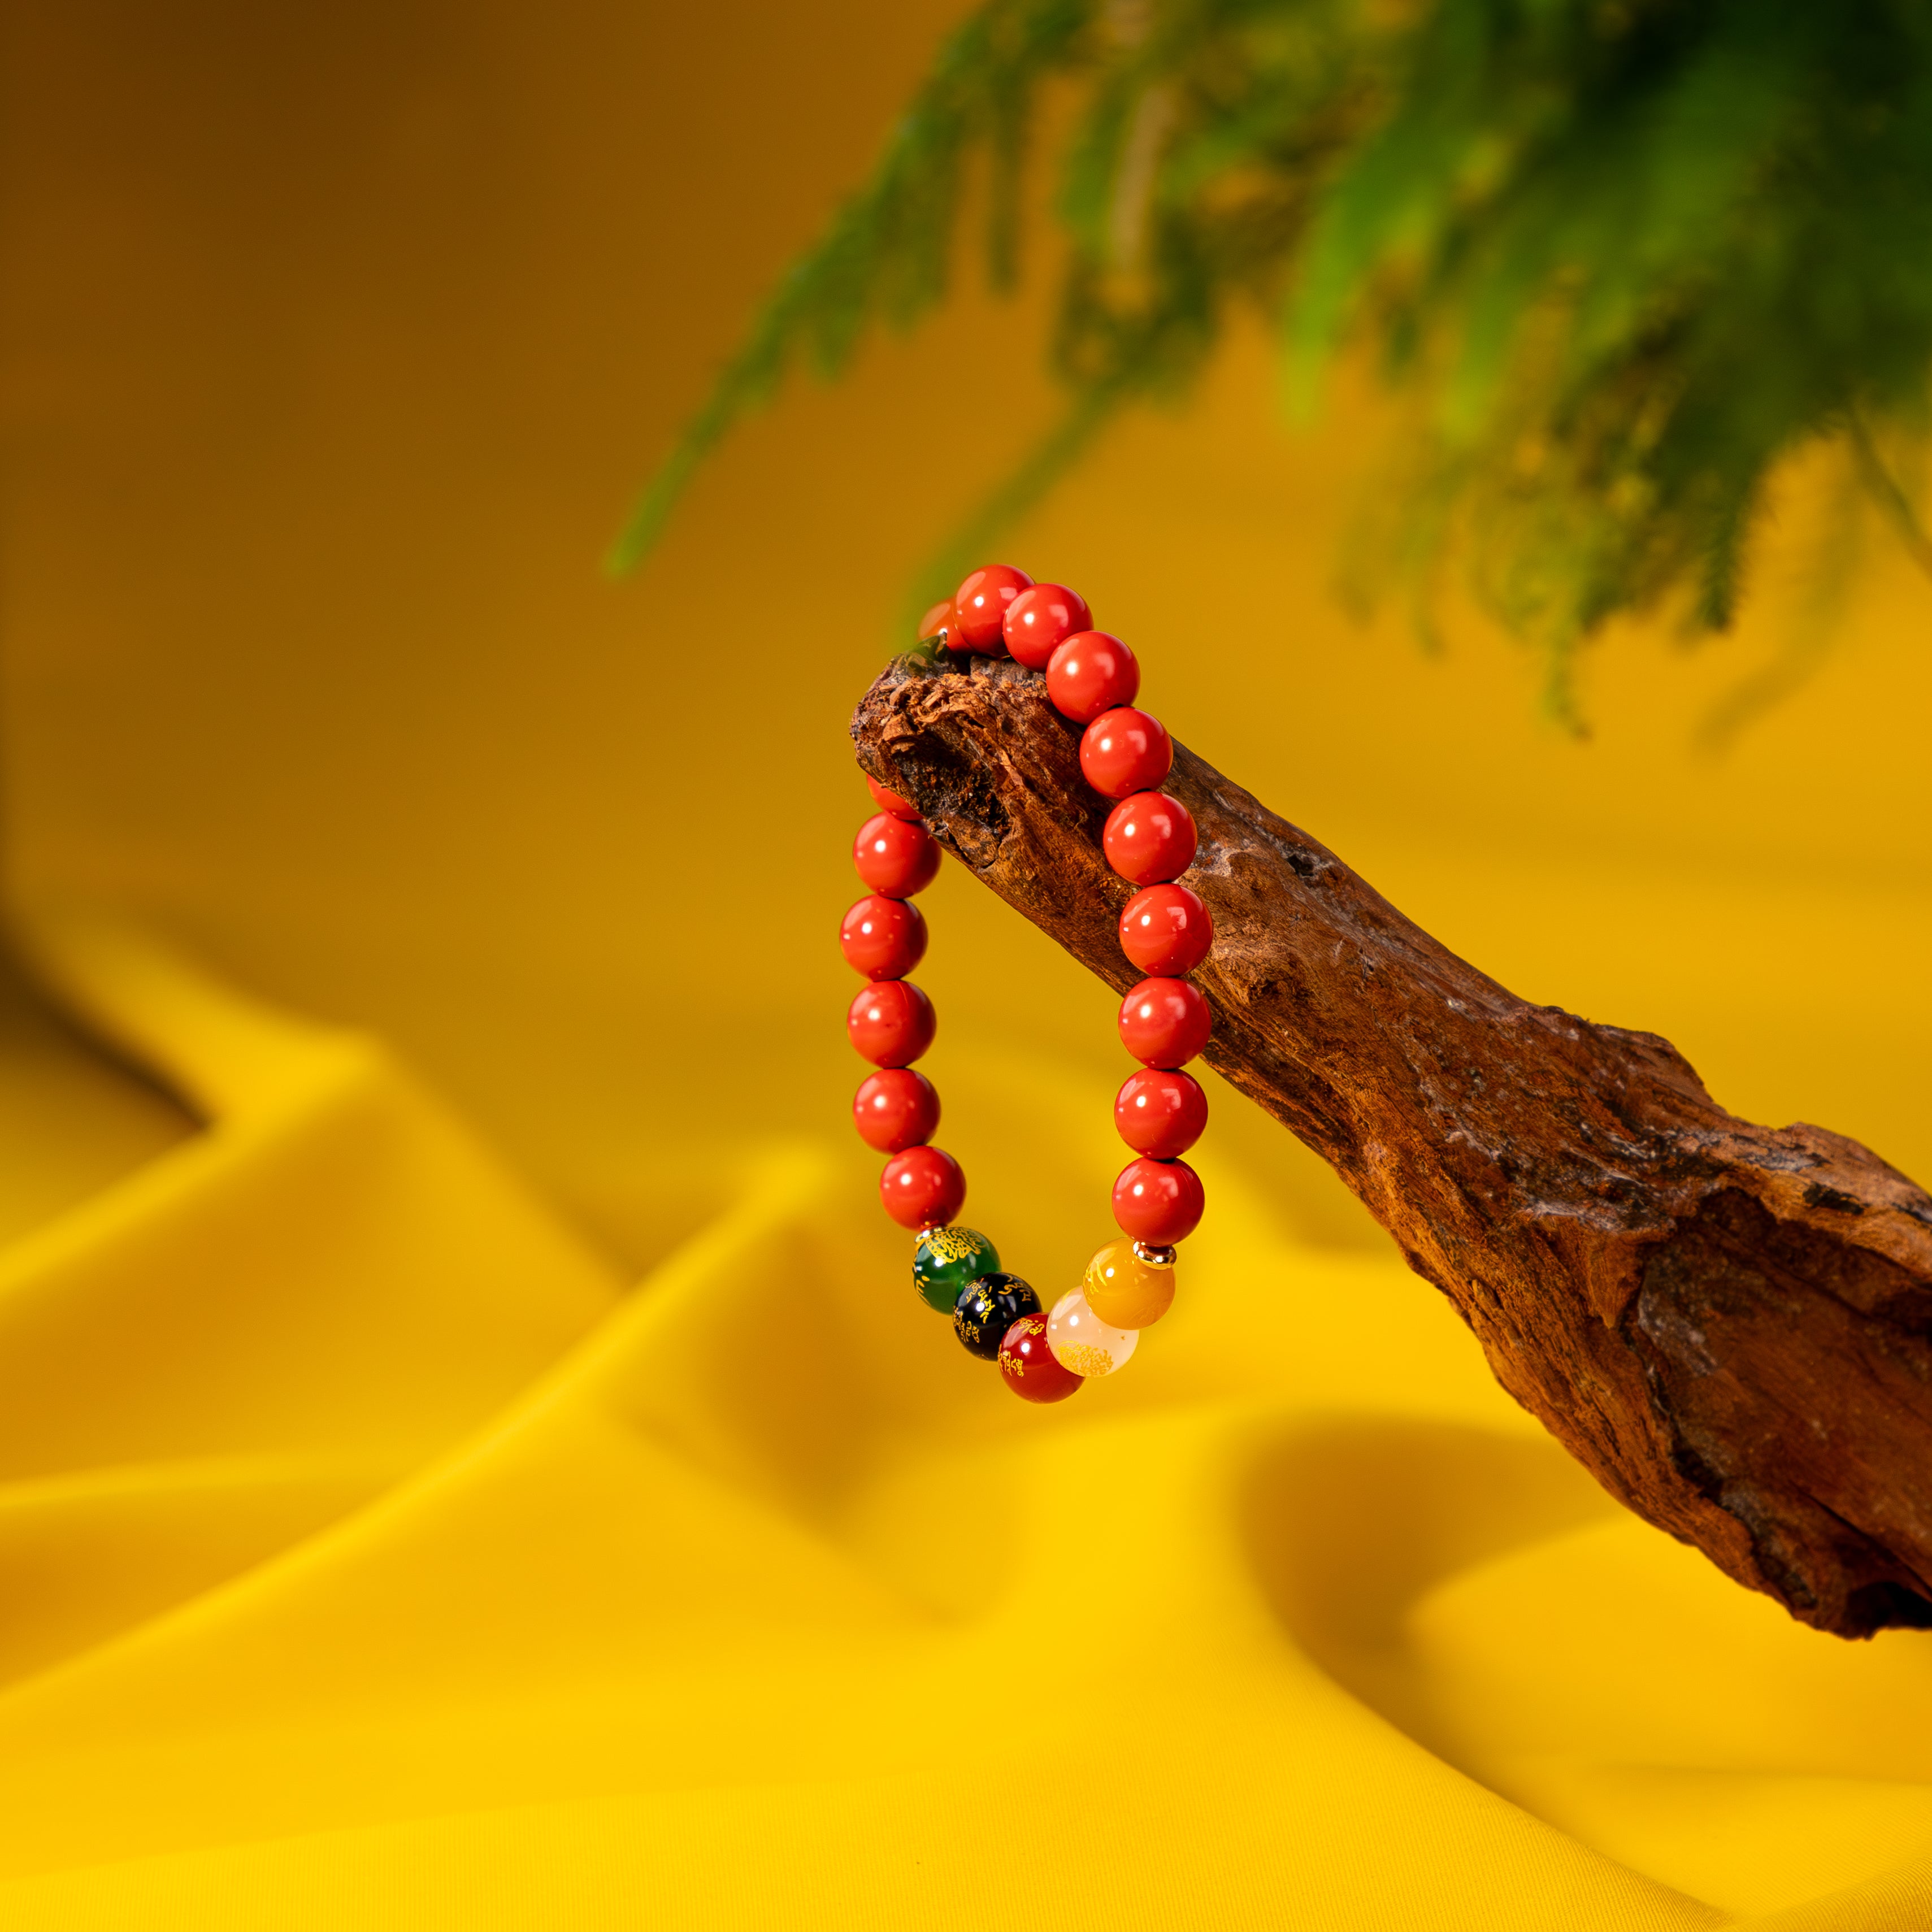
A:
[1619, 257]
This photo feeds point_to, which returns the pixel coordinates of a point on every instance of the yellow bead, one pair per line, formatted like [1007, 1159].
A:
[1126, 1292]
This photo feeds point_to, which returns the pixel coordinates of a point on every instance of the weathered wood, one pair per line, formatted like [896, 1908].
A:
[1730, 1325]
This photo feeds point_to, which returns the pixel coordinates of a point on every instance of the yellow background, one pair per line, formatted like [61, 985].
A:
[468, 1455]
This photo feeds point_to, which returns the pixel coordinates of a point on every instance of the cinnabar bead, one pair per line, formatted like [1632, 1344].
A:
[883, 938]
[979, 608]
[1041, 618]
[890, 801]
[923, 1187]
[1030, 1368]
[1159, 1110]
[1150, 839]
[1158, 1202]
[895, 1109]
[1090, 672]
[938, 622]
[895, 855]
[1163, 1022]
[1123, 752]
[891, 1023]
[1166, 929]
[988, 1307]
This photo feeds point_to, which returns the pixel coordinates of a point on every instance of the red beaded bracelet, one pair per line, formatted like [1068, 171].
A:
[1149, 840]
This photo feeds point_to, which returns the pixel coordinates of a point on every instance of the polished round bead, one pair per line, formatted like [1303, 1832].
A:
[1083, 1344]
[1124, 751]
[895, 1109]
[1164, 1022]
[988, 1307]
[891, 1023]
[1090, 672]
[980, 606]
[1165, 929]
[1040, 619]
[883, 938]
[897, 857]
[1158, 1202]
[1149, 838]
[1126, 1289]
[890, 801]
[945, 1259]
[924, 1187]
[938, 622]
[1030, 1368]
[1160, 1112]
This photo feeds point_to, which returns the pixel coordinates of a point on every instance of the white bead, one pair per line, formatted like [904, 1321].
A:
[1082, 1342]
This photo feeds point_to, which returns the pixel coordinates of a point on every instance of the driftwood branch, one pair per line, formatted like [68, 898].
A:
[1730, 1325]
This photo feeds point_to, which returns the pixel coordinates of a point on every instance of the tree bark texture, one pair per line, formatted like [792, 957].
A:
[1730, 1325]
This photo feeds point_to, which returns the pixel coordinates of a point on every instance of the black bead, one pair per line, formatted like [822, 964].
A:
[987, 1308]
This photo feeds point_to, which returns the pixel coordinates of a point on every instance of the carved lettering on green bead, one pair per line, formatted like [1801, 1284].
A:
[945, 1259]
[987, 1308]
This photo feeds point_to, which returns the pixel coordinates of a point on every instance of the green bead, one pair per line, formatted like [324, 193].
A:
[945, 1260]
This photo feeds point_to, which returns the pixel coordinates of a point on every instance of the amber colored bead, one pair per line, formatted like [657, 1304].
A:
[895, 855]
[1125, 1290]
[890, 801]
[1091, 673]
[988, 1305]
[1165, 929]
[1124, 751]
[1158, 1202]
[924, 1187]
[1040, 619]
[883, 938]
[1150, 839]
[891, 1023]
[1030, 1368]
[895, 1109]
[1082, 1342]
[980, 606]
[1160, 1112]
[1165, 1022]
[945, 1259]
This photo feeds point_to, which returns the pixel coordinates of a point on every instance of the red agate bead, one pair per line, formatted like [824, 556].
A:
[895, 857]
[1158, 1202]
[895, 1109]
[979, 608]
[1163, 1022]
[1091, 673]
[891, 1023]
[883, 938]
[924, 1187]
[890, 801]
[1149, 837]
[1040, 619]
[1030, 1368]
[1125, 751]
[1159, 1110]
[1166, 929]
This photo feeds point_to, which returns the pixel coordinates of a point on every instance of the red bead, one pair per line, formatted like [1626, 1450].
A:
[1124, 751]
[1160, 1111]
[938, 622]
[979, 608]
[1041, 618]
[895, 857]
[896, 1109]
[923, 1187]
[891, 1023]
[883, 938]
[1149, 837]
[1158, 1202]
[1162, 1023]
[1091, 673]
[889, 801]
[1166, 930]
[1030, 1368]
